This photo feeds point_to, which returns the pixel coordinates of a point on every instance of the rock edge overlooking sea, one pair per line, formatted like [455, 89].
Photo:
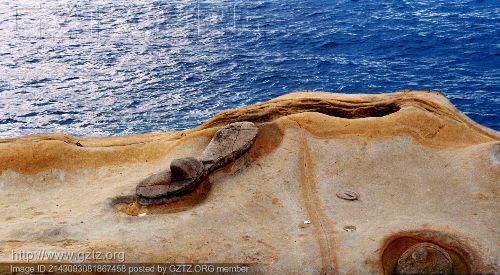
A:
[421, 172]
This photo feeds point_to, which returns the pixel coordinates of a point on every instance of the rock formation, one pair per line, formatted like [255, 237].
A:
[183, 177]
[333, 183]
[229, 143]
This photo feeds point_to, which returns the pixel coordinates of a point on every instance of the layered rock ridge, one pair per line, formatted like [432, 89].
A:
[418, 184]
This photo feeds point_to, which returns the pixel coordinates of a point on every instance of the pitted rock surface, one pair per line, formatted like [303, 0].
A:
[228, 144]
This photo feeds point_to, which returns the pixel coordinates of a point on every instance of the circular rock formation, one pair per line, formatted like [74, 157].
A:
[425, 258]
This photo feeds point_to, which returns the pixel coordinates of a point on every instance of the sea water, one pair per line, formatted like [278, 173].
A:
[101, 68]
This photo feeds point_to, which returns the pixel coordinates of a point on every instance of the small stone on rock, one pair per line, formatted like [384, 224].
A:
[348, 195]
[349, 228]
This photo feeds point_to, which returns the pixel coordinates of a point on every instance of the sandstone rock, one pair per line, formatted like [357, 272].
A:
[186, 168]
[228, 144]
[424, 171]
[156, 185]
[183, 177]
[185, 174]
[425, 258]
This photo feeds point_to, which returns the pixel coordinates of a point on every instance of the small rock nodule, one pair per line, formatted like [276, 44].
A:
[185, 174]
[348, 195]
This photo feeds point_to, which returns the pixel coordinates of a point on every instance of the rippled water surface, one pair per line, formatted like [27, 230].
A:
[118, 67]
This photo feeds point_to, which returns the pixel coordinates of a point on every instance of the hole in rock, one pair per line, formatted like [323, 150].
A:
[268, 113]
[352, 112]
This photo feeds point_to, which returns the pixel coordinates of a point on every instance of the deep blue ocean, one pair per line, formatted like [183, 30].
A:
[104, 68]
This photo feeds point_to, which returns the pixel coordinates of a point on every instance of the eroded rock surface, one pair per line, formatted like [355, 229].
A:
[228, 144]
[186, 168]
[425, 258]
[185, 174]
[424, 173]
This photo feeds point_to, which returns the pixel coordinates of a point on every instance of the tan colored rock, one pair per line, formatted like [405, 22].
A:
[424, 173]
